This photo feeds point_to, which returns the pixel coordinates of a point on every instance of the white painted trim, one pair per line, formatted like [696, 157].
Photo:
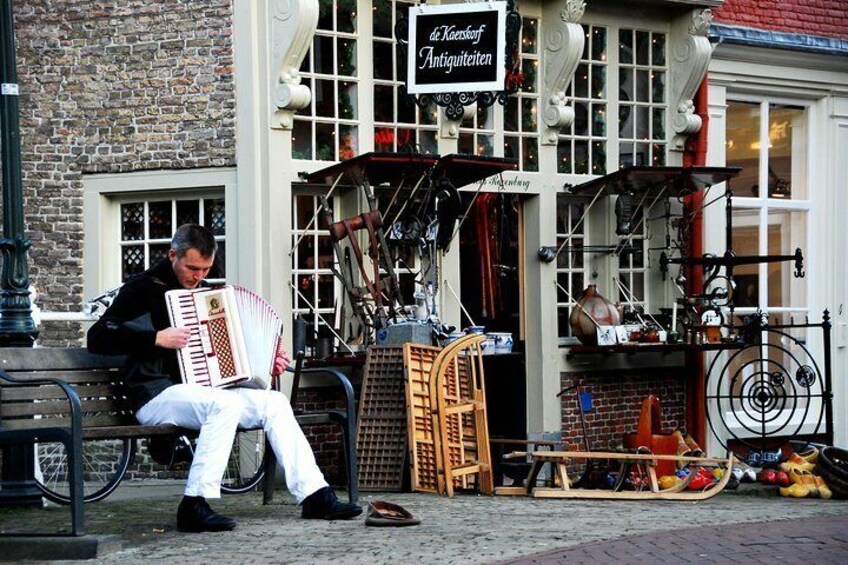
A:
[102, 195]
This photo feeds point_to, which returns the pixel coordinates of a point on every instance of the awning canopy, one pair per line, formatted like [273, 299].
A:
[638, 180]
[393, 169]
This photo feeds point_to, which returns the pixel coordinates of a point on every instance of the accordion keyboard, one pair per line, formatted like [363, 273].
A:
[199, 345]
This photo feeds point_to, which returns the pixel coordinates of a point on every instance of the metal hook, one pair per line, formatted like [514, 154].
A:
[799, 263]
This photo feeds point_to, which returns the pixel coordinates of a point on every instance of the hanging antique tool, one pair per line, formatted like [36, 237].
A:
[720, 268]
[380, 249]
[374, 285]
[483, 208]
[344, 273]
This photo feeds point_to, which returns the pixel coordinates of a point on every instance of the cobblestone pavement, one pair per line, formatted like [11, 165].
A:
[462, 529]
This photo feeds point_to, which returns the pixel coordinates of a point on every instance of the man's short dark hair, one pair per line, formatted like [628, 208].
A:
[194, 236]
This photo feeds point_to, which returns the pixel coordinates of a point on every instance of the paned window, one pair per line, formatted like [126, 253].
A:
[620, 106]
[571, 270]
[477, 133]
[398, 121]
[769, 141]
[582, 147]
[521, 137]
[315, 296]
[631, 264]
[328, 129]
[147, 227]
[642, 98]
[636, 96]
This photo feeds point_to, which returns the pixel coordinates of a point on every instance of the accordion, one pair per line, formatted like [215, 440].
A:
[235, 335]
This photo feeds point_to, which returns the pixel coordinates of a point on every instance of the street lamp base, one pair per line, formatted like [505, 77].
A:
[20, 493]
[18, 486]
[14, 337]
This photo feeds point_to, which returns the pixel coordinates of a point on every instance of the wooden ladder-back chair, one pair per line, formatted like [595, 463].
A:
[448, 433]
[458, 396]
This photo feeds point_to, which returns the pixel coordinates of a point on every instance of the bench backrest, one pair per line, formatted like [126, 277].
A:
[97, 379]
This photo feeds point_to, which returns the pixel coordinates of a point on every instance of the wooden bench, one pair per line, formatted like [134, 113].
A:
[72, 398]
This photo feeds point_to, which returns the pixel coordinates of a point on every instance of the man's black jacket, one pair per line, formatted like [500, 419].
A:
[129, 326]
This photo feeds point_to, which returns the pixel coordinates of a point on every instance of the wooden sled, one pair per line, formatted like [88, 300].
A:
[649, 490]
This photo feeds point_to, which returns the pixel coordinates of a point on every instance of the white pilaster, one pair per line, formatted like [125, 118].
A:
[270, 40]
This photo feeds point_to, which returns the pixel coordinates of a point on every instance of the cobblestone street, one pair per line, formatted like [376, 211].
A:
[467, 529]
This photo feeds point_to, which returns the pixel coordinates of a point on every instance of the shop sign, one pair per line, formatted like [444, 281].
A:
[456, 48]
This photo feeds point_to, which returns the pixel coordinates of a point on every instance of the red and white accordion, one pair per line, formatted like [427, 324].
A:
[235, 335]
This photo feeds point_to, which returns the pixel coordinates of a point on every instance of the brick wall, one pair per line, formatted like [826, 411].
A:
[326, 440]
[109, 87]
[814, 17]
[617, 399]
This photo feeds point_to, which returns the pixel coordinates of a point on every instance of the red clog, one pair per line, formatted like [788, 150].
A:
[767, 476]
[699, 482]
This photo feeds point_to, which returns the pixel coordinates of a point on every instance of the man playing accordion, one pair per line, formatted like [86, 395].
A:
[137, 325]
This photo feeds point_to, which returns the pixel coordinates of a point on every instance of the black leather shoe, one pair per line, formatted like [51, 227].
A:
[323, 505]
[195, 515]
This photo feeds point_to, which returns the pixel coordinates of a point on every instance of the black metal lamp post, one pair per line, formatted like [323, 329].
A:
[17, 328]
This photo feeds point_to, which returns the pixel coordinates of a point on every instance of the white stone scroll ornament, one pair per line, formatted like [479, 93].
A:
[563, 47]
[450, 128]
[691, 52]
[293, 24]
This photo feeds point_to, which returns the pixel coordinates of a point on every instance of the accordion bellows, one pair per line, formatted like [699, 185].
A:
[235, 334]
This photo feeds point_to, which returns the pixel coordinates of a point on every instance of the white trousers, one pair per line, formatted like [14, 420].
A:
[217, 413]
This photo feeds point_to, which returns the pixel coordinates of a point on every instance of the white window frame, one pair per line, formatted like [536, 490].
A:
[396, 83]
[310, 75]
[318, 315]
[762, 204]
[102, 198]
[520, 134]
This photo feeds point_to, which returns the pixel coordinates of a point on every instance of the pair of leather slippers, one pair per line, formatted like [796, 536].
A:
[387, 515]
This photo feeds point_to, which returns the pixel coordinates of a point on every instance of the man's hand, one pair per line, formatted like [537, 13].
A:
[173, 338]
[282, 361]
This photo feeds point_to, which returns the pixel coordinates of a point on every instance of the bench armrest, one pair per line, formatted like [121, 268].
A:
[73, 398]
[350, 399]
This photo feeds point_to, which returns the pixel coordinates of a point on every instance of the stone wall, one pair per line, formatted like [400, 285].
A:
[109, 87]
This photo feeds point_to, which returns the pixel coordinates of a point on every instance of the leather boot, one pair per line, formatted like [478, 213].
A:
[195, 515]
[323, 504]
